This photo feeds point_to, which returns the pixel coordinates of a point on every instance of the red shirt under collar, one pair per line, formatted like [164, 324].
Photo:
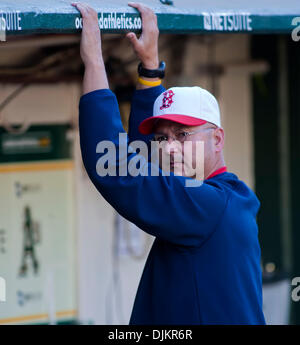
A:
[217, 172]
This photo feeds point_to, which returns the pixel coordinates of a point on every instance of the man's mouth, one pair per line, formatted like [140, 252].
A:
[175, 166]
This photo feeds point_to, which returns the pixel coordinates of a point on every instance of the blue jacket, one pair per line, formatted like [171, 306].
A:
[204, 265]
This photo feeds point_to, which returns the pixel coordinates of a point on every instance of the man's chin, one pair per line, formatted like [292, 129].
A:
[178, 169]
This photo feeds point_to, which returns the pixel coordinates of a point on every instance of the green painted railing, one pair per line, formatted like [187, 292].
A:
[190, 16]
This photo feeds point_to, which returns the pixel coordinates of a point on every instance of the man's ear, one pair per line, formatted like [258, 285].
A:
[219, 137]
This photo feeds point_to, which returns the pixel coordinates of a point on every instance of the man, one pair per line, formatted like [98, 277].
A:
[204, 265]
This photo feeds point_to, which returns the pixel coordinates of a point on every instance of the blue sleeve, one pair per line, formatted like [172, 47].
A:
[160, 205]
[141, 108]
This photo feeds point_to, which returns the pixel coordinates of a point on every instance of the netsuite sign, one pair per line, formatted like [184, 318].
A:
[227, 22]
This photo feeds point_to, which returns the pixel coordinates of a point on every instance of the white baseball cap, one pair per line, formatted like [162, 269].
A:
[190, 106]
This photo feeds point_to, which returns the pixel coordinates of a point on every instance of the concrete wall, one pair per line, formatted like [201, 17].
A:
[97, 302]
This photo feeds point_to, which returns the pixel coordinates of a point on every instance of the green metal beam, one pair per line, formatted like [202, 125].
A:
[185, 16]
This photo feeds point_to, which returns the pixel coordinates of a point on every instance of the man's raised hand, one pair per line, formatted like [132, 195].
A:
[146, 46]
[90, 47]
[90, 50]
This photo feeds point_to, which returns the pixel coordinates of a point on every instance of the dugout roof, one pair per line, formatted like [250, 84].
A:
[183, 16]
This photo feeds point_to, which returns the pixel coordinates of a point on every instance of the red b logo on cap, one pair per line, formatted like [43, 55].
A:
[167, 99]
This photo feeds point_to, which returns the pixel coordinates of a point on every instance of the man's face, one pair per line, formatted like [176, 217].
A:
[179, 151]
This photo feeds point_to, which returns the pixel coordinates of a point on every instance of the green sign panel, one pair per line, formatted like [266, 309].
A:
[189, 16]
[40, 142]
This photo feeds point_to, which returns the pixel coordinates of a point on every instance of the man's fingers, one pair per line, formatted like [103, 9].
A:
[88, 8]
[135, 5]
[148, 16]
[132, 38]
[84, 9]
[80, 8]
[144, 10]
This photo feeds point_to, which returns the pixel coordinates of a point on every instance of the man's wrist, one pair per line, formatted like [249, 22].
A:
[94, 76]
[148, 64]
[95, 64]
[151, 64]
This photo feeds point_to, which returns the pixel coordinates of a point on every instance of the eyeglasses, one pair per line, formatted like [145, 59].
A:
[179, 136]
